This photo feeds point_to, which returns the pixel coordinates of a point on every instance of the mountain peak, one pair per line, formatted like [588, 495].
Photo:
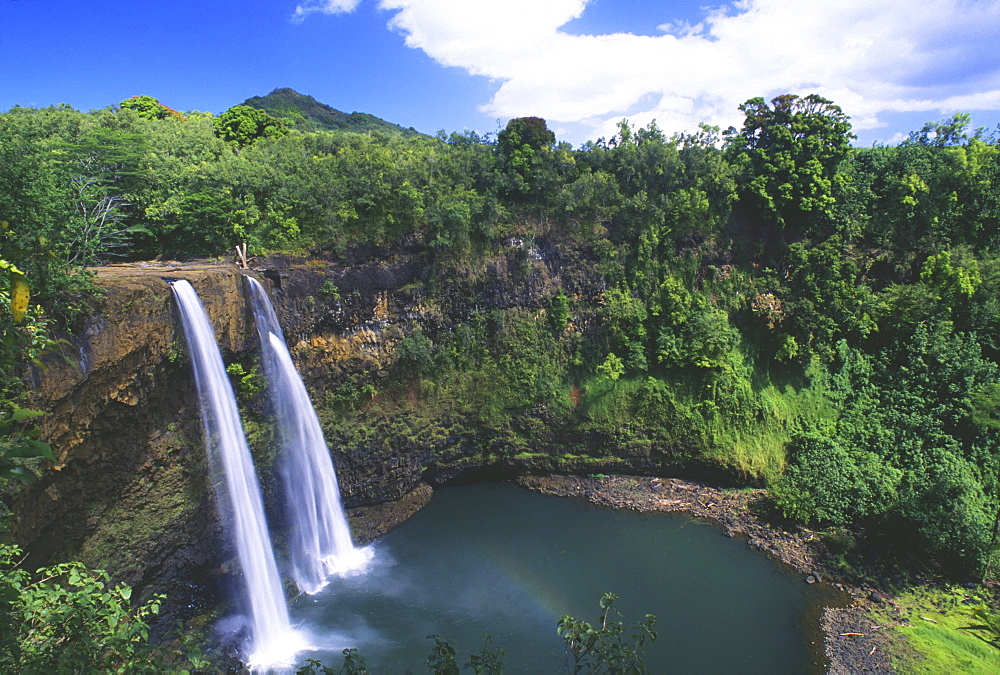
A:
[308, 114]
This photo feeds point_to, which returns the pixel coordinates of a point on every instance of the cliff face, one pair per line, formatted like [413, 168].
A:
[131, 493]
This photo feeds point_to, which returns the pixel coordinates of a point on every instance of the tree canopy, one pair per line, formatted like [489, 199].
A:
[242, 125]
[789, 153]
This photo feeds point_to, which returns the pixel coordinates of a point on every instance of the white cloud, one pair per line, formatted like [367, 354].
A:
[323, 7]
[870, 56]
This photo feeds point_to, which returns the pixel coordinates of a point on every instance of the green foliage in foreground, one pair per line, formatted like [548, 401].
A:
[605, 647]
[68, 618]
[19, 444]
[25, 339]
[944, 631]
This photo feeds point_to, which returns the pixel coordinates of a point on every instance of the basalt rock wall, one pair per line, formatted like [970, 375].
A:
[131, 492]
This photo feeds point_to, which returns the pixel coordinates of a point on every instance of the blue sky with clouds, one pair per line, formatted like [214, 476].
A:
[472, 64]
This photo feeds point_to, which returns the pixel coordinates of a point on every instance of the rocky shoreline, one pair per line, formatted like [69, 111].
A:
[853, 642]
[369, 523]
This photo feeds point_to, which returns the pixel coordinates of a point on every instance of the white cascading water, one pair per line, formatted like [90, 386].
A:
[273, 641]
[321, 545]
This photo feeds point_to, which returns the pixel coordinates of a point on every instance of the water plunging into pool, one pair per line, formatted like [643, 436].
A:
[321, 545]
[273, 641]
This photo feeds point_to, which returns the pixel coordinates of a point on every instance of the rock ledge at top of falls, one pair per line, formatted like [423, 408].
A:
[133, 328]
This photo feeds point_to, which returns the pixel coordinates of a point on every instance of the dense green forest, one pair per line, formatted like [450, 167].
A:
[796, 311]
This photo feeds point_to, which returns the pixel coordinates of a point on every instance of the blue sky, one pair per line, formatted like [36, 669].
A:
[472, 64]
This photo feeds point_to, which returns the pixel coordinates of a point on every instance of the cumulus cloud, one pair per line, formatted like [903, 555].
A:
[872, 57]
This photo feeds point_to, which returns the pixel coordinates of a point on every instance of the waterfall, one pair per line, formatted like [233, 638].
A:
[273, 641]
[320, 538]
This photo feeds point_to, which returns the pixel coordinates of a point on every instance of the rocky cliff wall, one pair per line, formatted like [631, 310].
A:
[130, 492]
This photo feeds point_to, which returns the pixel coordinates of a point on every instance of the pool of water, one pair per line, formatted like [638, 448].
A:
[502, 560]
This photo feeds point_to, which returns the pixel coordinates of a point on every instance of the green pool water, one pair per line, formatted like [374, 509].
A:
[502, 560]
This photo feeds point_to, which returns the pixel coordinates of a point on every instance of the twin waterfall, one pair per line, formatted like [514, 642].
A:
[321, 540]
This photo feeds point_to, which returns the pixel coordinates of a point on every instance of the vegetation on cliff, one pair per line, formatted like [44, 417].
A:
[769, 302]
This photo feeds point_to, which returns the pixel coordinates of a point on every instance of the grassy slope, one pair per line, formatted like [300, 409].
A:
[940, 633]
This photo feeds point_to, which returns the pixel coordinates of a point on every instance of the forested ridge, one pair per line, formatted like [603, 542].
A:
[307, 114]
[796, 311]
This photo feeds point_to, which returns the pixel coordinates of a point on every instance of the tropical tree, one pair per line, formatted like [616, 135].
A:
[524, 149]
[788, 154]
[241, 125]
[949, 131]
[149, 108]
[826, 298]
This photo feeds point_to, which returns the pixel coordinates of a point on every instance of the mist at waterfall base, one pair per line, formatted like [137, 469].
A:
[272, 641]
[499, 559]
[320, 539]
